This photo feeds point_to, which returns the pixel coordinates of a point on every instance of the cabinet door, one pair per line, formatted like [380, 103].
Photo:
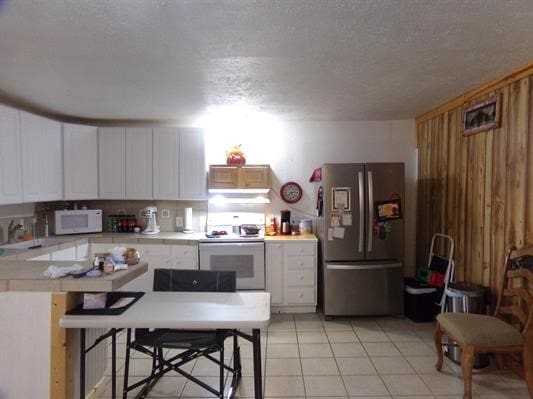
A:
[42, 166]
[192, 168]
[166, 158]
[10, 166]
[111, 163]
[274, 272]
[42, 257]
[65, 254]
[184, 256]
[80, 156]
[255, 176]
[223, 177]
[138, 163]
[82, 252]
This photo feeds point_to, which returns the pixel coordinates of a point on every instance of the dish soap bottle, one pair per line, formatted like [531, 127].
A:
[46, 225]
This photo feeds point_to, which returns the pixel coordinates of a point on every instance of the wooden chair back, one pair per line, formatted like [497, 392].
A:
[516, 300]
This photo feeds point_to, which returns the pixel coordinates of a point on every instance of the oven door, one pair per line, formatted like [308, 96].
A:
[246, 258]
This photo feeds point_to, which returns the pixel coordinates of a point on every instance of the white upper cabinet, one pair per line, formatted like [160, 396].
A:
[111, 163]
[165, 163]
[80, 162]
[10, 166]
[42, 166]
[192, 167]
[138, 163]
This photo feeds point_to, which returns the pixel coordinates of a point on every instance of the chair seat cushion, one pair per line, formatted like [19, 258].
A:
[479, 330]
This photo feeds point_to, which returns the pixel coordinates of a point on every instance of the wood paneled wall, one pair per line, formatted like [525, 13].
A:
[478, 188]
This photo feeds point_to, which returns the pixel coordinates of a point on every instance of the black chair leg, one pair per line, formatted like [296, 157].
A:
[237, 356]
[221, 376]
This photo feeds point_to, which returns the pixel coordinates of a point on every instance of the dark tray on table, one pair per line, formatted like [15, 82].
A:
[112, 297]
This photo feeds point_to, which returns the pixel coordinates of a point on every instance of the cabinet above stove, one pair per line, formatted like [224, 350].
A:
[248, 178]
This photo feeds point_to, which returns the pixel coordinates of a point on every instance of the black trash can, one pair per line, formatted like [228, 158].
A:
[465, 298]
[419, 300]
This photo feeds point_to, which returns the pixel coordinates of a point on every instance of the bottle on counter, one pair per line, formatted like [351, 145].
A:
[46, 226]
[273, 226]
[236, 226]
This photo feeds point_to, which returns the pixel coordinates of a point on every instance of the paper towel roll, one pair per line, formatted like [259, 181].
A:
[188, 221]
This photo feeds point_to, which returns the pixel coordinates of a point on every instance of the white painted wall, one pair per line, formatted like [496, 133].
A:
[295, 149]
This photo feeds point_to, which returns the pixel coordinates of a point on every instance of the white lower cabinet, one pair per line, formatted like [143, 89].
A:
[184, 256]
[291, 271]
[41, 257]
[158, 256]
[65, 254]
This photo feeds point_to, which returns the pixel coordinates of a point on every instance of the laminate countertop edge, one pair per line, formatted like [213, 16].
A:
[28, 276]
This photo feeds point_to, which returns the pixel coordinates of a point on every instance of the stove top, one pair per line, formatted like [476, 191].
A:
[233, 238]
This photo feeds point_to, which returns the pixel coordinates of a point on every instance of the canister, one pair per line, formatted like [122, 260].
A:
[306, 226]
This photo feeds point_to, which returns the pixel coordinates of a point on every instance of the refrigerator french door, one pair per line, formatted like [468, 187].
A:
[362, 251]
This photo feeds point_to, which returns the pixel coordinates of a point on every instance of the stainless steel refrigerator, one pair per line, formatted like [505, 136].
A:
[361, 231]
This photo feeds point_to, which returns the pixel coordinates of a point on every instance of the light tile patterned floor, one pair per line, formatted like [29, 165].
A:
[305, 356]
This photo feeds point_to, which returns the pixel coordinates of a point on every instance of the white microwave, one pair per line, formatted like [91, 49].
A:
[77, 222]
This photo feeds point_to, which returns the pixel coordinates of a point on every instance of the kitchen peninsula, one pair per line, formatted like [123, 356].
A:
[38, 357]
[31, 305]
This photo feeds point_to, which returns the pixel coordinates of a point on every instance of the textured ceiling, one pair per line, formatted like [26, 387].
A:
[294, 59]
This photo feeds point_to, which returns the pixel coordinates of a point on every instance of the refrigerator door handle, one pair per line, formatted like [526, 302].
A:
[361, 211]
[379, 266]
[370, 210]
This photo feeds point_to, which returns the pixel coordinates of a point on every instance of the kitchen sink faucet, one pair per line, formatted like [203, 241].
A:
[12, 231]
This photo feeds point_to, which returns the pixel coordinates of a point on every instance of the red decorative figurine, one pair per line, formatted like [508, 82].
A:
[235, 156]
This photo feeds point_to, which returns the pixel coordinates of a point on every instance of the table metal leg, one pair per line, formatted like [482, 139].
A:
[127, 364]
[114, 363]
[258, 375]
[82, 363]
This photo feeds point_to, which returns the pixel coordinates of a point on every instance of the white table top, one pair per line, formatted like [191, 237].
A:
[185, 310]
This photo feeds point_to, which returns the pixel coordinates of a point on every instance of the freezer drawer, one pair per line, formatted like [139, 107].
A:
[358, 289]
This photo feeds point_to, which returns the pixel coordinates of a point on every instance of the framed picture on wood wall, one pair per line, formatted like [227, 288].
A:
[482, 116]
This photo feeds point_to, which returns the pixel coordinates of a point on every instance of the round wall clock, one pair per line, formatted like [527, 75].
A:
[291, 192]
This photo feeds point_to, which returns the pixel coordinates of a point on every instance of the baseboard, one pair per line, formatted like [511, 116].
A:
[293, 309]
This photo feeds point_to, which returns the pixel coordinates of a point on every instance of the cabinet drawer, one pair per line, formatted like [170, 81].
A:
[149, 250]
[300, 249]
[184, 263]
[184, 251]
[100, 247]
[300, 278]
[299, 296]
[301, 262]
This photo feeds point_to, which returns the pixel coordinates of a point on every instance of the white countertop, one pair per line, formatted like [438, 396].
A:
[185, 310]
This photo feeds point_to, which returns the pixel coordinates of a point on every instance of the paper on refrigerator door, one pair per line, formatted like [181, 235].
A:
[338, 232]
[330, 234]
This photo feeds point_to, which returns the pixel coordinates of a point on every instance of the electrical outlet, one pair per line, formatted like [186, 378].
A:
[179, 221]
[165, 214]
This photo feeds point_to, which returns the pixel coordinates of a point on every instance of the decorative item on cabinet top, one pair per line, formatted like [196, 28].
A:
[245, 179]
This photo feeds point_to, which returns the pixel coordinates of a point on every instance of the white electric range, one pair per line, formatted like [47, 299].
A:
[244, 253]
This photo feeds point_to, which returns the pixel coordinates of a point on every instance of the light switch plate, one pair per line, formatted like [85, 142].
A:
[179, 221]
[165, 213]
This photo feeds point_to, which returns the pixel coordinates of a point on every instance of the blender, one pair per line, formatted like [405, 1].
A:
[149, 213]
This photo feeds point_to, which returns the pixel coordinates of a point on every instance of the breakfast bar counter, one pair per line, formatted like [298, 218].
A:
[31, 306]
[17, 275]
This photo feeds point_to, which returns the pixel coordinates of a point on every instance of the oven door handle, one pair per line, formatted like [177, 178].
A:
[233, 244]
